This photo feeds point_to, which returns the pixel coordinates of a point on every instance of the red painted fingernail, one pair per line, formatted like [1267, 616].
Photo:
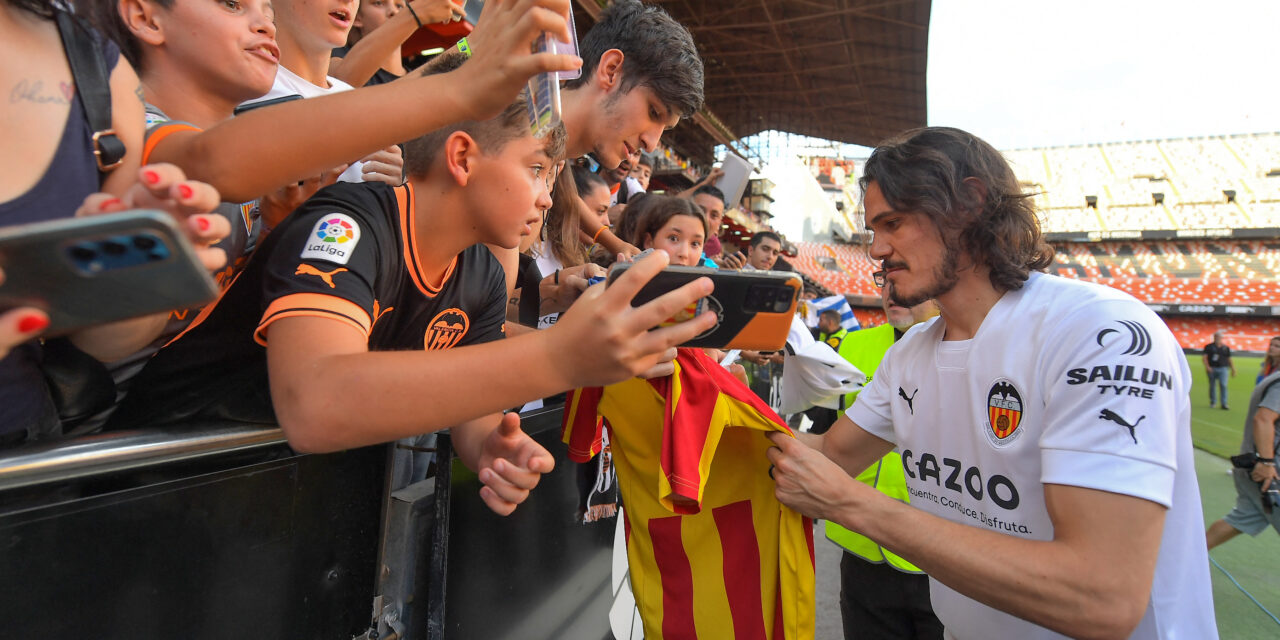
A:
[186, 192]
[32, 323]
[110, 202]
[150, 176]
[203, 223]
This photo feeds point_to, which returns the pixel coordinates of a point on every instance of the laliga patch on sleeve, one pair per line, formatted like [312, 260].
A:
[334, 239]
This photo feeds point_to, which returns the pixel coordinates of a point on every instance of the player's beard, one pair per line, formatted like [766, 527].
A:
[944, 278]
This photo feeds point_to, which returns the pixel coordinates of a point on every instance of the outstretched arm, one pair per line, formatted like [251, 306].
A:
[375, 47]
[285, 138]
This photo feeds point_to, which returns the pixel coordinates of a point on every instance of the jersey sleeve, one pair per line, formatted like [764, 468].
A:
[872, 410]
[326, 261]
[1113, 386]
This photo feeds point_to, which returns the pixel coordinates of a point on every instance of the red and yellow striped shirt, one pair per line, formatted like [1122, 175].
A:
[710, 547]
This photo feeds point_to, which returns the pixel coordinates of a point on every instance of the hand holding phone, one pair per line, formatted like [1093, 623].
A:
[753, 308]
[100, 269]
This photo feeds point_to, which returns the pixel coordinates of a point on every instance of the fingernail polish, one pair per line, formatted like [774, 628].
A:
[150, 176]
[186, 192]
[32, 323]
[110, 202]
[203, 223]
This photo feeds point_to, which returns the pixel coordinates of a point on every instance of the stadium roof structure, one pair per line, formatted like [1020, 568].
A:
[846, 70]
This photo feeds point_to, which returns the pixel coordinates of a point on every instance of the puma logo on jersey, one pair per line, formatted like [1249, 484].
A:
[910, 399]
[308, 270]
[1108, 414]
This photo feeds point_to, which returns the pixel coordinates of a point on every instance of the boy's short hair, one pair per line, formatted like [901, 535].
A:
[104, 15]
[491, 135]
[658, 53]
[713, 191]
[644, 160]
[830, 313]
[761, 236]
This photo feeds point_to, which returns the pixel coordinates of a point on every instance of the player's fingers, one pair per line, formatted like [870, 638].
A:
[509, 426]
[510, 484]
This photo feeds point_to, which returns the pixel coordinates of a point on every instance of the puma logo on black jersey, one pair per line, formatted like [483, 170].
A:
[308, 270]
[910, 399]
[1108, 414]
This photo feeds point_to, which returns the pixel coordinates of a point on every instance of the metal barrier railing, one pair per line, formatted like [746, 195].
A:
[101, 454]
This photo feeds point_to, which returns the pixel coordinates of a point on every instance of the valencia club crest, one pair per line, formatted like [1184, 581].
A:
[1004, 413]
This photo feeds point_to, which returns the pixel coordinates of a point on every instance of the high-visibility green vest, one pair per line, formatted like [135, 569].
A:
[865, 349]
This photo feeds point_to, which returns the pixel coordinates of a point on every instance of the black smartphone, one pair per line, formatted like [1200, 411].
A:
[250, 106]
[99, 269]
[753, 308]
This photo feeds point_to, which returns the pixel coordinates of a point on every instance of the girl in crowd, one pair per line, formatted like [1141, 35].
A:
[370, 58]
[675, 225]
[51, 172]
[593, 191]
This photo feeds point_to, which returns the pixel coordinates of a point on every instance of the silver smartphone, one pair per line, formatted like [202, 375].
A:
[99, 269]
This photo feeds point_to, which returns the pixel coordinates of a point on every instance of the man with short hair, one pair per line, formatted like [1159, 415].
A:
[711, 199]
[765, 248]
[1217, 364]
[1043, 422]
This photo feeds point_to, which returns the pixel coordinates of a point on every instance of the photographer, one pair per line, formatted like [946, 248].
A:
[1255, 469]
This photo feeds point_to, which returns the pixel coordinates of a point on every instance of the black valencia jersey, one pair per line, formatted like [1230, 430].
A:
[348, 254]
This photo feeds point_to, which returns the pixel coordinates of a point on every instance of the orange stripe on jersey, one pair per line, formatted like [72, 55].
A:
[742, 570]
[160, 133]
[677, 578]
[314, 305]
[409, 241]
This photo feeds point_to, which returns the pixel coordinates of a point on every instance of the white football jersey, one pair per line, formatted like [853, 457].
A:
[1066, 383]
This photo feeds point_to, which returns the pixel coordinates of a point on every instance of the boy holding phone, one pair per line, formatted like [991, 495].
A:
[379, 314]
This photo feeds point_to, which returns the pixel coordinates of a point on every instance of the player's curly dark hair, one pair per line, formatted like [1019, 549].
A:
[925, 170]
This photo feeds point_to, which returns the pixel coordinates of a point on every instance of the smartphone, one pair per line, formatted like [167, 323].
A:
[544, 93]
[753, 308]
[99, 269]
[250, 106]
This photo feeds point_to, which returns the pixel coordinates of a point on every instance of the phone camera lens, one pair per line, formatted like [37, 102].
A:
[113, 248]
[83, 253]
[145, 243]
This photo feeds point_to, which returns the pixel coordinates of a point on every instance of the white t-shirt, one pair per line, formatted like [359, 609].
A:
[1066, 383]
[289, 83]
[548, 264]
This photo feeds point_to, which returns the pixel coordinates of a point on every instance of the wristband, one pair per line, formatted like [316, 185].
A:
[597, 235]
[1270, 461]
[464, 47]
[557, 277]
[409, 6]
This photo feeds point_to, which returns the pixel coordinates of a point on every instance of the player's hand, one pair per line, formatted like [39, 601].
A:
[386, 166]
[277, 205]
[602, 339]
[807, 481]
[558, 296]
[502, 62]
[716, 174]
[438, 11]
[165, 187]
[735, 260]
[510, 465]
[754, 357]
[19, 325]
